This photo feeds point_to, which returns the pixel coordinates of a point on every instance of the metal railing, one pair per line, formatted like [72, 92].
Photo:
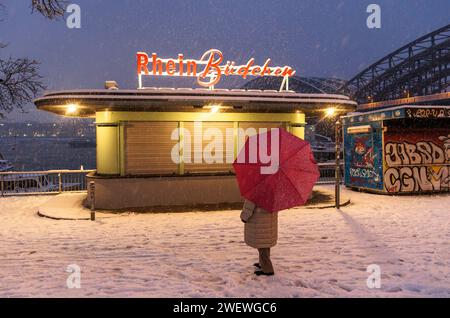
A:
[13, 183]
[328, 173]
[42, 182]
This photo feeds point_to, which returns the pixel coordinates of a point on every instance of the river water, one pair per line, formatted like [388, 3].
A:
[27, 153]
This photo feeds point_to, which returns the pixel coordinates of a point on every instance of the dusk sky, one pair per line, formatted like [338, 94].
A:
[325, 38]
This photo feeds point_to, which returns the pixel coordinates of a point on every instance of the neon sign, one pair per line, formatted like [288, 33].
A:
[209, 69]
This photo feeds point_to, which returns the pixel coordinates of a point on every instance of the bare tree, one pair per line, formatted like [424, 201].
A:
[19, 84]
[20, 81]
[52, 9]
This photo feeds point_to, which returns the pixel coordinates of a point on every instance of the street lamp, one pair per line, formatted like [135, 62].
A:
[71, 109]
[330, 112]
[337, 192]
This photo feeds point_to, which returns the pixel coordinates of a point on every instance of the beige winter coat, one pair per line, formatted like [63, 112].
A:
[261, 227]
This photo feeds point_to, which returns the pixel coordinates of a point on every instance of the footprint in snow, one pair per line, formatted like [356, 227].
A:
[394, 289]
[300, 283]
[346, 288]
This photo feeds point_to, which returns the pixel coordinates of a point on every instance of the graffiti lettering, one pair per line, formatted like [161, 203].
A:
[419, 166]
[414, 179]
[404, 153]
[446, 140]
[428, 113]
[364, 173]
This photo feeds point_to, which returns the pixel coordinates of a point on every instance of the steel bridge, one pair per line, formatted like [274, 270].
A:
[307, 85]
[419, 68]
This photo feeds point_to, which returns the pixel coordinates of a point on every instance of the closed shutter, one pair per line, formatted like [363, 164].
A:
[246, 126]
[222, 154]
[148, 148]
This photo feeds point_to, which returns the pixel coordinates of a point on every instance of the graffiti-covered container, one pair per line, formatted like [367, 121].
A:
[398, 150]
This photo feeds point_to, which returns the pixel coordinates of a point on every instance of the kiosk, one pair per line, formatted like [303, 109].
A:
[404, 149]
[143, 133]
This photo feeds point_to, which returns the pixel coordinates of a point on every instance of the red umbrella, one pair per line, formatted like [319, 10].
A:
[288, 183]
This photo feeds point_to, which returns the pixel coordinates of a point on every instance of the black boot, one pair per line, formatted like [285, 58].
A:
[257, 265]
[259, 273]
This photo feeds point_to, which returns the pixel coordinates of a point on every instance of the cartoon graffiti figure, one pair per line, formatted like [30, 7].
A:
[360, 149]
[446, 141]
[363, 157]
[369, 158]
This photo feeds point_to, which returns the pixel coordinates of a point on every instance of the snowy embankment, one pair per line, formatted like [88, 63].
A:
[321, 253]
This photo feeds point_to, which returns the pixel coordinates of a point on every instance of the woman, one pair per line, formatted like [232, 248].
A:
[260, 232]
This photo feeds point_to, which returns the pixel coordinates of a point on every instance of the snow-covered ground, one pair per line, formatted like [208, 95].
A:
[321, 253]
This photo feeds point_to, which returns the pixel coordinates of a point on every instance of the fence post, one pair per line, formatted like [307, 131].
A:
[337, 190]
[3, 185]
[92, 199]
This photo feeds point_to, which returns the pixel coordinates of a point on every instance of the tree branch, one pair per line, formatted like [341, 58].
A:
[51, 9]
[20, 82]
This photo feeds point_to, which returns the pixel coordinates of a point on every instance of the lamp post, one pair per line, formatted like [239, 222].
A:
[337, 190]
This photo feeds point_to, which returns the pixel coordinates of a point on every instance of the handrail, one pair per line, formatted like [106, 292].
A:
[45, 172]
[42, 182]
[320, 164]
[59, 181]
[328, 164]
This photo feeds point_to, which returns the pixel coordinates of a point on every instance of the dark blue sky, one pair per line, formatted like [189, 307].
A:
[326, 38]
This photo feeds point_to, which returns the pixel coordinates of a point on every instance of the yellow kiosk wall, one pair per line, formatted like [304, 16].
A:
[124, 138]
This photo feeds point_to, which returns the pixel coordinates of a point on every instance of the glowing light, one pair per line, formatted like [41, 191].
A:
[71, 109]
[215, 109]
[330, 112]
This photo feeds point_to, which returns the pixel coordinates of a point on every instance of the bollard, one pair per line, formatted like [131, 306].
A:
[3, 185]
[59, 183]
[92, 199]
[337, 190]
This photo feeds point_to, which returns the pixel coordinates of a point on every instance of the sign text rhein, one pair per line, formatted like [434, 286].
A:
[208, 70]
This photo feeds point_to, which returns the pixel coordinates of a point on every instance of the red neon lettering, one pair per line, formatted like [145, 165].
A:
[191, 68]
[170, 67]
[278, 71]
[156, 63]
[256, 71]
[244, 70]
[232, 69]
[142, 62]
[226, 71]
[180, 62]
[266, 68]
[211, 67]
[212, 71]
[288, 71]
